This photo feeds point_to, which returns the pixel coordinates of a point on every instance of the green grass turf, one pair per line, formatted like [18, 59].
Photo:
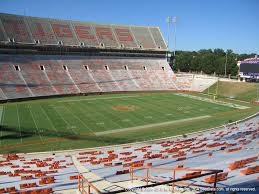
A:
[70, 122]
[237, 90]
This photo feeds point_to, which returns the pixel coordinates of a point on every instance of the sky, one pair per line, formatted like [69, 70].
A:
[201, 24]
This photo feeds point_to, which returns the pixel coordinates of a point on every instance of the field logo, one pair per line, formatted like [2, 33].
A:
[124, 108]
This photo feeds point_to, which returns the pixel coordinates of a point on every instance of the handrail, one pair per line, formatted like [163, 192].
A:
[147, 178]
[81, 186]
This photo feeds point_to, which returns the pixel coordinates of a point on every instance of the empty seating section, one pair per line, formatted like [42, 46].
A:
[82, 77]
[2, 95]
[24, 76]
[11, 83]
[192, 82]
[64, 32]
[157, 37]
[40, 174]
[16, 28]
[203, 150]
[143, 37]
[184, 81]
[202, 82]
[125, 36]
[106, 36]
[43, 31]
[124, 81]
[85, 34]
[2, 36]
[35, 78]
[60, 79]
[104, 80]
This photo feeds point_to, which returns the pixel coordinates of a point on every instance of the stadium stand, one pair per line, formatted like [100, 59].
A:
[16, 29]
[193, 82]
[32, 30]
[203, 150]
[51, 75]
[110, 167]
[43, 75]
[37, 173]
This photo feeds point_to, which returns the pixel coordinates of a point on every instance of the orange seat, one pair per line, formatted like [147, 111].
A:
[191, 174]
[250, 170]
[211, 179]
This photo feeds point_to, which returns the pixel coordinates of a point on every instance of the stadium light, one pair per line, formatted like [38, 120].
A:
[169, 21]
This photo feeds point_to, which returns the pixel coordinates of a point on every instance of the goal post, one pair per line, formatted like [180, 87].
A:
[214, 92]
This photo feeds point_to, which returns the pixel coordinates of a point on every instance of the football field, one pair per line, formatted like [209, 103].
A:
[88, 121]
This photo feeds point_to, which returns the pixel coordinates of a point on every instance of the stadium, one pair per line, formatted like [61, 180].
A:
[96, 108]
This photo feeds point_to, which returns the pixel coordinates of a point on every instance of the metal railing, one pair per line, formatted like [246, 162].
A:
[84, 183]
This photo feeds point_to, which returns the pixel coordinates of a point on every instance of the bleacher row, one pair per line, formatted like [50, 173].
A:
[192, 82]
[232, 148]
[36, 174]
[29, 76]
[41, 31]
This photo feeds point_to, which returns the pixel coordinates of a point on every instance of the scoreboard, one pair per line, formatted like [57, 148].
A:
[249, 69]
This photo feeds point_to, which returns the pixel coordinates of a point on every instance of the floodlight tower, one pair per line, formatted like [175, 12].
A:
[171, 20]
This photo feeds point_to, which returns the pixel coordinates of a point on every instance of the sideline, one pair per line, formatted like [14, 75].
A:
[231, 105]
[105, 98]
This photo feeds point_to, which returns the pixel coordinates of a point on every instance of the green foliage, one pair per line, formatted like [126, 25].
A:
[209, 61]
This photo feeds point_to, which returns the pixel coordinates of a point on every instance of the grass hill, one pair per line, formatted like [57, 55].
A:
[237, 90]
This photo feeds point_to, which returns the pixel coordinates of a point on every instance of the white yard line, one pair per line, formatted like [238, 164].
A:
[101, 115]
[105, 98]
[79, 119]
[44, 112]
[35, 124]
[68, 125]
[2, 111]
[18, 117]
[151, 125]
[232, 99]
[231, 105]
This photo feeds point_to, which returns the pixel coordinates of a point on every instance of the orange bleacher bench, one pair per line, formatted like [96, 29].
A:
[211, 179]
[122, 172]
[75, 177]
[241, 163]
[47, 180]
[180, 159]
[26, 177]
[250, 170]
[191, 174]
[233, 150]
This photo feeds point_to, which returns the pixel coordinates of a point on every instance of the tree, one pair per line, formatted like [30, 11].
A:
[209, 61]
